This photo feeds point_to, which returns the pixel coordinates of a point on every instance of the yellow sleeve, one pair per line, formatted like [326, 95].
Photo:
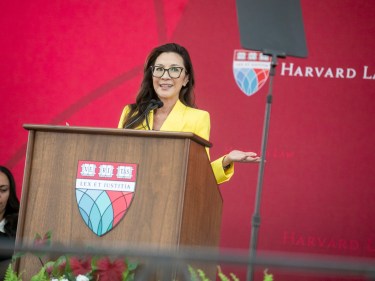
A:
[203, 130]
[122, 118]
[222, 175]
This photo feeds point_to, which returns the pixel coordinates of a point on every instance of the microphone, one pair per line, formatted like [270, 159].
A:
[158, 103]
[151, 106]
[155, 104]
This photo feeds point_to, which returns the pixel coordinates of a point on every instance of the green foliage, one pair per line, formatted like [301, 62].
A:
[17, 256]
[41, 276]
[223, 277]
[193, 273]
[129, 273]
[199, 275]
[59, 266]
[202, 275]
[44, 241]
[11, 275]
[267, 277]
[131, 265]
[62, 267]
[234, 277]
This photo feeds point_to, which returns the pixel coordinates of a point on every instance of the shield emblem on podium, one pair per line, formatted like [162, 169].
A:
[104, 192]
[251, 70]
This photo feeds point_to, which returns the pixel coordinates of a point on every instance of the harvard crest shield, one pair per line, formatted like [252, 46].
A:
[251, 70]
[104, 192]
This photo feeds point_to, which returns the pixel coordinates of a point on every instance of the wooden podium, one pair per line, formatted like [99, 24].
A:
[176, 202]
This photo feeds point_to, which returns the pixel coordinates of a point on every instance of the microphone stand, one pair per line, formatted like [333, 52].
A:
[146, 115]
[255, 223]
[153, 105]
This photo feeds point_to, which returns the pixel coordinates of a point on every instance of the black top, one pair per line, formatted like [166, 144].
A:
[7, 241]
[8, 237]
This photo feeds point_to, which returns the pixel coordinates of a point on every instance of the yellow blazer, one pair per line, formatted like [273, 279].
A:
[187, 119]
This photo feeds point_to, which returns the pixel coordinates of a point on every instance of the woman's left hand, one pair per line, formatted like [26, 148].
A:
[240, 156]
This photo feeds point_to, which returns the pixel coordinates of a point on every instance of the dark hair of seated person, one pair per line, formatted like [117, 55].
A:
[11, 212]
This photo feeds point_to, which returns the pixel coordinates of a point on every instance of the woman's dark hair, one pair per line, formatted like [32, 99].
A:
[147, 93]
[13, 205]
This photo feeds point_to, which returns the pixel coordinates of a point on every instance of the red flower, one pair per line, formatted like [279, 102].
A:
[49, 269]
[78, 266]
[61, 266]
[40, 241]
[108, 271]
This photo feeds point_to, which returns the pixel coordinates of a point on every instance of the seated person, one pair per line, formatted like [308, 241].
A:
[9, 207]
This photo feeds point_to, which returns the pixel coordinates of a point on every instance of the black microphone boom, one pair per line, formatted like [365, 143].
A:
[159, 103]
[154, 104]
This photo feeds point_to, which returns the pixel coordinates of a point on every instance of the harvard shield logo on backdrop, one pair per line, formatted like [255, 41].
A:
[104, 192]
[251, 70]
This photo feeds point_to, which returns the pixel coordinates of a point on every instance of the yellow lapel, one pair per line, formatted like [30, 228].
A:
[175, 119]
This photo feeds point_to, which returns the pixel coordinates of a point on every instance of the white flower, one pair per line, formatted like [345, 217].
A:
[82, 278]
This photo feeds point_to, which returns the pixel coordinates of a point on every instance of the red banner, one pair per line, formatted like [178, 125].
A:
[80, 62]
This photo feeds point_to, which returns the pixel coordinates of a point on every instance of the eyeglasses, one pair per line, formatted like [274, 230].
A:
[173, 72]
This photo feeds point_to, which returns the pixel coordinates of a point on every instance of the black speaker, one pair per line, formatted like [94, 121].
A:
[272, 26]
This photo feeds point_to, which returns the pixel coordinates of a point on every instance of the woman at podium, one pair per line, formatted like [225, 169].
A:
[165, 102]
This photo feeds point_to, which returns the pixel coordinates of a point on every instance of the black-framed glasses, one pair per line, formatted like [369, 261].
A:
[173, 72]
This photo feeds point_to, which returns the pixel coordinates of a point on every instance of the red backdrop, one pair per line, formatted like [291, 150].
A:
[80, 62]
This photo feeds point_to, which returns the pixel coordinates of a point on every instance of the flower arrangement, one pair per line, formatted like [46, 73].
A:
[71, 268]
[75, 269]
[199, 275]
